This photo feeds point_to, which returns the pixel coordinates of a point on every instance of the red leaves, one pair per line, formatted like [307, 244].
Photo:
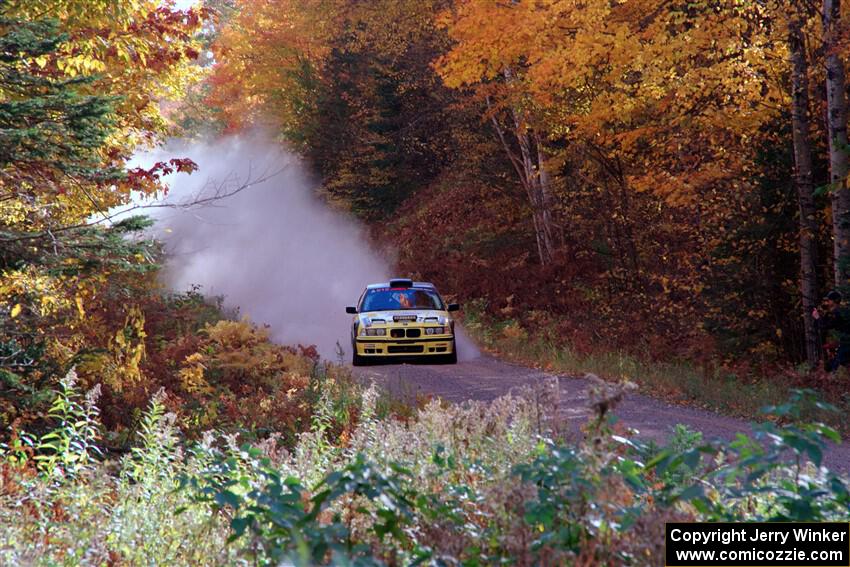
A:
[163, 32]
[183, 165]
[141, 179]
[167, 22]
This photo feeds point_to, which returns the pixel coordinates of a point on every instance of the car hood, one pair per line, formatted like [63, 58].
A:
[391, 316]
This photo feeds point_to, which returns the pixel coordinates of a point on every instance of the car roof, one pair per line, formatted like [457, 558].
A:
[420, 285]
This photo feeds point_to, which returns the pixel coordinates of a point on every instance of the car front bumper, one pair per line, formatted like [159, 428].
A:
[382, 346]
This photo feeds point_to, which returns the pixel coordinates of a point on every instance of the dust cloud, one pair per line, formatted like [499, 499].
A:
[273, 249]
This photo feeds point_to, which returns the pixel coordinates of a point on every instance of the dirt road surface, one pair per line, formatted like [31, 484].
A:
[486, 378]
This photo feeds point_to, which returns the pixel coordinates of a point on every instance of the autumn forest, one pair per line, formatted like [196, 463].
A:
[661, 177]
[653, 191]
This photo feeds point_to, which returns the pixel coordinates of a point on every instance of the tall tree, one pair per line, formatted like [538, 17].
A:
[804, 183]
[349, 85]
[80, 88]
[133, 54]
[836, 99]
[499, 77]
[526, 152]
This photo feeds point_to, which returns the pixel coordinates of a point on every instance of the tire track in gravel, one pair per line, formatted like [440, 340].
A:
[486, 378]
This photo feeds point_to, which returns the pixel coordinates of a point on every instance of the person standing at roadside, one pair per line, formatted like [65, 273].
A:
[836, 318]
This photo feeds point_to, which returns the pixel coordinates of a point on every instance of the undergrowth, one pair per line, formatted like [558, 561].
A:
[473, 484]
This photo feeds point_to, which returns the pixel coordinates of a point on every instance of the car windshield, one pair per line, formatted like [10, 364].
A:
[387, 299]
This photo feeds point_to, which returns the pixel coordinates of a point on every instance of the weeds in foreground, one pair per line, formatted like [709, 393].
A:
[477, 484]
[75, 507]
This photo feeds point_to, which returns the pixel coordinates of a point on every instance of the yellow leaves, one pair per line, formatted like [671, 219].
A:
[49, 303]
[192, 374]
[489, 37]
[127, 349]
[46, 294]
[16, 310]
[119, 338]
[134, 51]
[515, 332]
[195, 359]
[630, 138]
[633, 78]
[235, 334]
[247, 357]
[263, 50]
[81, 65]
[14, 212]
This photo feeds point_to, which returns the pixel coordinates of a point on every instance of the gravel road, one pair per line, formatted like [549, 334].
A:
[486, 378]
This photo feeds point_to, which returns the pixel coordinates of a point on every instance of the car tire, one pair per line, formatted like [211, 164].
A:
[451, 358]
[357, 360]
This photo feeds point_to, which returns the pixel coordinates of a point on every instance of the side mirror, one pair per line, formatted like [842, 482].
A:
[352, 310]
[453, 307]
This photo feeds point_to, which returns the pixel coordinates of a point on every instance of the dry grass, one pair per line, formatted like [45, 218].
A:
[683, 383]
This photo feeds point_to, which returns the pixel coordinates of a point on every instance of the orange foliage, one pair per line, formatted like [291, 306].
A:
[263, 50]
[642, 145]
[662, 87]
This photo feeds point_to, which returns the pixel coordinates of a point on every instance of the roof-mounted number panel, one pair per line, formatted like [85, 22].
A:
[401, 283]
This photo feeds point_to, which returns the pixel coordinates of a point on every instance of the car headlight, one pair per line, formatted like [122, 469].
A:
[437, 331]
[376, 332]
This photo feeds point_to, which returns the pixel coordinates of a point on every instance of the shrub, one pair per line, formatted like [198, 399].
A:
[107, 512]
[472, 484]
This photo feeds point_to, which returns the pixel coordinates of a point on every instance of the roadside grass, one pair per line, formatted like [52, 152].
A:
[479, 483]
[719, 389]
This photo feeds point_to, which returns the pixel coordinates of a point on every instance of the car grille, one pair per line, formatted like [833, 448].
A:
[410, 333]
[398, 349]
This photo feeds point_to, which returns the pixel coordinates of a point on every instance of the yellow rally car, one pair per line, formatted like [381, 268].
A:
[402, 318]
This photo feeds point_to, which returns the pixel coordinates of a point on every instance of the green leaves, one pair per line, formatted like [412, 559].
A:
[48, 123]
[273, 508]
[71, 446]
[559, 502]
[802, 401]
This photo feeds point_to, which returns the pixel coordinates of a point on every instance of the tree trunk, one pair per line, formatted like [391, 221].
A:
[836, 102]
[538, 187]
[530, 166]
[805, 189]
[547, 199]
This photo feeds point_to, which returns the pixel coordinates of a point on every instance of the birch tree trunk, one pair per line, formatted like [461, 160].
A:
[538, 187]
[804, 183]
[530, 166]
[836, 101]
[547, 199]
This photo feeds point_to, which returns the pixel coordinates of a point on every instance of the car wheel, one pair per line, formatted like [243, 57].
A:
[357, 360]
[451, 358]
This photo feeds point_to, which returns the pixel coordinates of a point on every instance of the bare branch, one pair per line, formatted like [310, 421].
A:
[511, 155]
[221, 190]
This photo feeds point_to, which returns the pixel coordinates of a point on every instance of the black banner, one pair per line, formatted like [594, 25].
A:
[771, 544]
